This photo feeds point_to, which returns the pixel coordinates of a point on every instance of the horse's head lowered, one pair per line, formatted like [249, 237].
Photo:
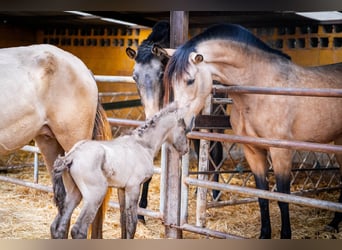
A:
[150, 60]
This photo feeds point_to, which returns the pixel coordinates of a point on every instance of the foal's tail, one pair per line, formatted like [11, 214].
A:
[102, 131]
[59, 194]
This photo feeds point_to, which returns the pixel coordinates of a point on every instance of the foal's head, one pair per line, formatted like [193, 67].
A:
[178, 137]
[150, 61]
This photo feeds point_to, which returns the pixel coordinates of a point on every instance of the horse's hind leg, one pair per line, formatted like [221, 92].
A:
[60, 227]
[143, 199]
[93, 194]
[333, 225]
[49, 148]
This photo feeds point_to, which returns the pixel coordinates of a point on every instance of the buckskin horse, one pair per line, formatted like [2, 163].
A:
[49, 95]
[232, 55]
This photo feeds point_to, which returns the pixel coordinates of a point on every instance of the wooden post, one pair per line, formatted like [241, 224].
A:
[179, 23]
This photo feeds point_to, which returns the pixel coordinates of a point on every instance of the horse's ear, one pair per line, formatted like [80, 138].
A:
[159, 51]
[131, 53]
[196, 58]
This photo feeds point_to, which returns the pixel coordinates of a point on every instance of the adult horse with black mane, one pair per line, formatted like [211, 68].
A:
[232, 55]
[49, 95]
[124, 163]
[150, 61]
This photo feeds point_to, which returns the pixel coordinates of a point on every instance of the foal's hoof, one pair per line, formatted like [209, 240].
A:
[76, 233]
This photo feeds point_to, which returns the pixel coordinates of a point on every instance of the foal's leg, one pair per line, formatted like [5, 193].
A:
[333, 225]
[60, 227]
[93, 193]
[256, 159]
[128, 199]
[131, 209]
[143, 199]
[282, 164]
[122, 202]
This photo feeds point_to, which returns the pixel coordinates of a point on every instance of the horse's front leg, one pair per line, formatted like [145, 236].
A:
[143, 199]
[256, 159]
[282, 164]
[122, 202]
[131, 209]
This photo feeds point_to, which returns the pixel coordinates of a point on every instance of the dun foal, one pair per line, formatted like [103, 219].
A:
[124, 163]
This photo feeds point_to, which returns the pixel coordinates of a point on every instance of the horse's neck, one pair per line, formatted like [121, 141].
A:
[155, 136]
[230, 64]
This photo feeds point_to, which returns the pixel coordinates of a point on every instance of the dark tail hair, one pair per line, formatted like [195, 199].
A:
[59, 194]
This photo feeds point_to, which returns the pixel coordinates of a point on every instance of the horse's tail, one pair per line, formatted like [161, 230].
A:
[59, 194]
[102, 131]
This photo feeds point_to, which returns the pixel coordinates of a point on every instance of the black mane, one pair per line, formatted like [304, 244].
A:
[160, 35]
[237, 33]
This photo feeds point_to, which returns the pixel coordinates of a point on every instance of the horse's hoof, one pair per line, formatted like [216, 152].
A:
[331, 229]
[141, 219]
[76, 233]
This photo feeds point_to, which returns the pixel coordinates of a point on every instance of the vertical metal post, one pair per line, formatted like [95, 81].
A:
[179, 22]
[35, 166]
[203, 163]
[184, 190]
[163, 186]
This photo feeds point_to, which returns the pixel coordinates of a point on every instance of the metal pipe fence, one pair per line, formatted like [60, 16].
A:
[296, 145]
[204, 183]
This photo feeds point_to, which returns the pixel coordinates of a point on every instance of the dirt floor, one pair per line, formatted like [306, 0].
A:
[27, 214]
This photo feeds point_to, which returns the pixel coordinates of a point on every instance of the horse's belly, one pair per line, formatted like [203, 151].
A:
[18, 127]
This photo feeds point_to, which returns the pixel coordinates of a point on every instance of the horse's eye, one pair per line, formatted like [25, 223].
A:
[161, 74]
[190, 81]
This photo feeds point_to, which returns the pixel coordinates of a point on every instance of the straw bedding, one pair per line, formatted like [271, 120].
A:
[27, 214]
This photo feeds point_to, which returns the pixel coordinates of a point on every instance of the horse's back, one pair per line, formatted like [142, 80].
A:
[42, 89]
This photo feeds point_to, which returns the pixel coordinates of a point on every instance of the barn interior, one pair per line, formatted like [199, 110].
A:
[100, 38]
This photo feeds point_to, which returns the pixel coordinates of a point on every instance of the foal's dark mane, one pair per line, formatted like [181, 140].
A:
[160, 35]
[179, 61]
[150, 123]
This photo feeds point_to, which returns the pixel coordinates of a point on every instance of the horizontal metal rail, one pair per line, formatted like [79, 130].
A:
[300, 200]
[299, 145]
[124, 122]
[114, 79]
[313, 92]
[26, 183]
